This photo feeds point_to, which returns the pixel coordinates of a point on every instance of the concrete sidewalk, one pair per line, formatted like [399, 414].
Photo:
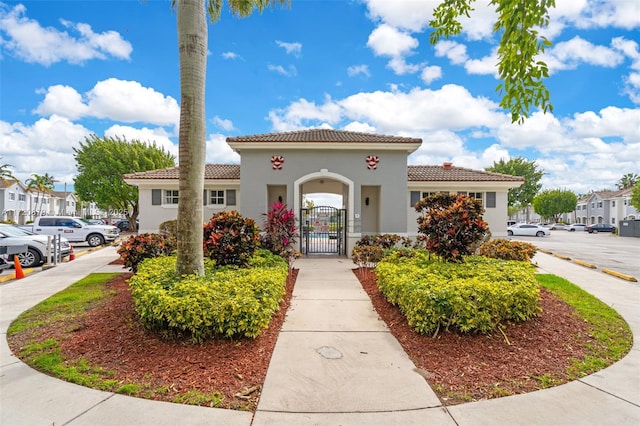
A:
[335, 363]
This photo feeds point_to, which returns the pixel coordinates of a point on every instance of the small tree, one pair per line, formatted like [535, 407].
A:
[280, 230]
[523, 195]
[102, 162]
[450, 225]
[552, 203]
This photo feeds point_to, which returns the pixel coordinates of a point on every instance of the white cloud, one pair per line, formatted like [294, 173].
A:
[28, 40]
[358, 69]
[454, 51]
[218, 151]
[487, 65]
[400, 66]
[570, 54]
[230, 55]
[224, 124]
[450, 107]
[113, 99]
[410, 15]
[46, 146]
[356, 126]
[389, 41]
[129, 101]
[291, 48]
[291, 71]
[610, 122]
[610, 13]
[430, 74]
[64, 101]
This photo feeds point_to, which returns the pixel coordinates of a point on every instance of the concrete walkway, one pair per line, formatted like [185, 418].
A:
[335, 363]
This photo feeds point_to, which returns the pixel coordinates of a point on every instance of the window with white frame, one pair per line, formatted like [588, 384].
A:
[216, 197]
[171, 196]
[430, 193]
[12, 196]
[22, 197]
[476, 195]
[599, 204]
[613, 203]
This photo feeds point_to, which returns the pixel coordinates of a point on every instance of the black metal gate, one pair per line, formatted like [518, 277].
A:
[324, 230]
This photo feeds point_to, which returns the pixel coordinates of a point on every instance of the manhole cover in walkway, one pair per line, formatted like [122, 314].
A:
[329, 352]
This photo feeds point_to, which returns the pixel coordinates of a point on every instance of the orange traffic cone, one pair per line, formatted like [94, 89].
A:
[18, 267]
[72, 255]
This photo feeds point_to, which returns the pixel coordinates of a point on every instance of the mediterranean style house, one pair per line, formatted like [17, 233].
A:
[368, 171]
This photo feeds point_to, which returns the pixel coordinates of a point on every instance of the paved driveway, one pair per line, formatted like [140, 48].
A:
[621, 254]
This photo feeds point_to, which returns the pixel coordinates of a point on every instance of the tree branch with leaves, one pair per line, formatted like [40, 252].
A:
[521, 73]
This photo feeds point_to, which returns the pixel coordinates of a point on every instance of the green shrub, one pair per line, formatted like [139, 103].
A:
[508, 250]
[367, 256]
[144, 246]
[224, 302]
[475, 296]
[230, 238]
[450, 225]
[169, 227]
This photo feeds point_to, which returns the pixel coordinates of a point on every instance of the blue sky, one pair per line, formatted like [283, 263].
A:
[74, 68]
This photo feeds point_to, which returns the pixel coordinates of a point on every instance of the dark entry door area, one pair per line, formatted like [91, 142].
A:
[324, 230]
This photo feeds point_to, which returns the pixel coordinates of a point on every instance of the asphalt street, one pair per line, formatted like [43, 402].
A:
[604, 250]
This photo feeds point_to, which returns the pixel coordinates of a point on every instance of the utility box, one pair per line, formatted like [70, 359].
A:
[629, 228]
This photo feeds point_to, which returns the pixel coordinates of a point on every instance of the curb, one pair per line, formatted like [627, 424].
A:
[12, 276]
[619, 275]
[592, 266]
[585, 264]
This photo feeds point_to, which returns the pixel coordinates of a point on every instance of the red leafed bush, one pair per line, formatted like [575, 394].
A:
[230, 239]
[450, 225]
[280, 230]
[144, 246]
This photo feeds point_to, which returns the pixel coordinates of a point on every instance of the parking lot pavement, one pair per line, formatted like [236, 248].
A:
[604, 250]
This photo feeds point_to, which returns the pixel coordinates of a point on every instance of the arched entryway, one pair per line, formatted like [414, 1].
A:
[324, 229]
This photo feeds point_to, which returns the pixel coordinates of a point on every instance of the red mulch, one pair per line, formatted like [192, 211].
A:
[459, 367]
[471, 367]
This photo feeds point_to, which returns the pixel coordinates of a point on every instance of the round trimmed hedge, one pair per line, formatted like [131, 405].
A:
[224, 301]
[474, 296]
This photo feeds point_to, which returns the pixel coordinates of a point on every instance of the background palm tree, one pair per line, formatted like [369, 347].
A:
[629, 180]
[5, 173]
[43, 184]
[192, 47]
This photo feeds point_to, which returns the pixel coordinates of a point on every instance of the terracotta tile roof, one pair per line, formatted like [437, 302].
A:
[449, 173]
[211, 171]
[324, 135]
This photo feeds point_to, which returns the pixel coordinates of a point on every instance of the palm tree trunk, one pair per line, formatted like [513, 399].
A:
[192, 44]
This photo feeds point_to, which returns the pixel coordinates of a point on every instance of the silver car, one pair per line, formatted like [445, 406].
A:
[528, 229]
[37, 252]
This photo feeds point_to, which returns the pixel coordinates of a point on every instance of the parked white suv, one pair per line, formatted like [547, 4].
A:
[37, 250]
[75, 229]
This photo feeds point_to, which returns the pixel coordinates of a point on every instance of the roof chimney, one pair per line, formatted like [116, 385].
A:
[447, 165]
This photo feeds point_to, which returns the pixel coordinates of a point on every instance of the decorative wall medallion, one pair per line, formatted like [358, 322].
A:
[372, 162]
[276, 162]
